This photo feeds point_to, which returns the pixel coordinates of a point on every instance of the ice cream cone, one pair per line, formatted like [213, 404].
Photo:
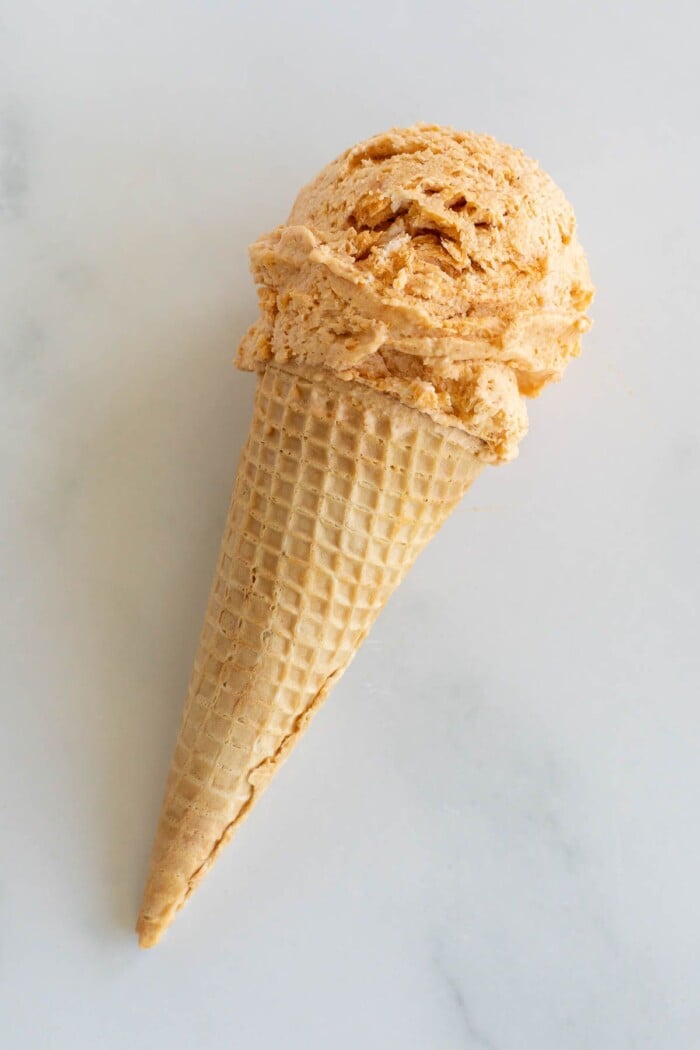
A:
[425, 283]
[338, 489]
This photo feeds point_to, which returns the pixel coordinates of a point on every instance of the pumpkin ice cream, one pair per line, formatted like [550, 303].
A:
[426, 282]
[439, 267]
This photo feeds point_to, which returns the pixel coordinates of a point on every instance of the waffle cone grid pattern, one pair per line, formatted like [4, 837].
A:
[337, 491]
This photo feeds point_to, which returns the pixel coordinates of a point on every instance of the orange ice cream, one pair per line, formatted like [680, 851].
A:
[439, 267]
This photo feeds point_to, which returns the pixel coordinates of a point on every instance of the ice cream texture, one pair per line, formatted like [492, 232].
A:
[439, 267]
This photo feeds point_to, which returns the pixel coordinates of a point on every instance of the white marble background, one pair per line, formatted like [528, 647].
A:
[489, 838]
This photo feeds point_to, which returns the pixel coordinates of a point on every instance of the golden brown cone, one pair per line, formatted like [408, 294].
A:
[337, 491]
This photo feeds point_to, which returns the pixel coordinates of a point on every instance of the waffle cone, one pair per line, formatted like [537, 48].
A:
[338, 490]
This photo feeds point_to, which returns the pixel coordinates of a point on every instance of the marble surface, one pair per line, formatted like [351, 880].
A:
[489, 837]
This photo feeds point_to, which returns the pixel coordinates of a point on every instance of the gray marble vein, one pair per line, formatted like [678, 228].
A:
[474, 1038]
[14, 161]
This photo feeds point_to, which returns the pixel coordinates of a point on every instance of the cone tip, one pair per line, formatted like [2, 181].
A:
[149, 932]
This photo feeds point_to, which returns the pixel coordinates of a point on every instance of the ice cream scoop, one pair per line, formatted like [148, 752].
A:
[436, 266]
